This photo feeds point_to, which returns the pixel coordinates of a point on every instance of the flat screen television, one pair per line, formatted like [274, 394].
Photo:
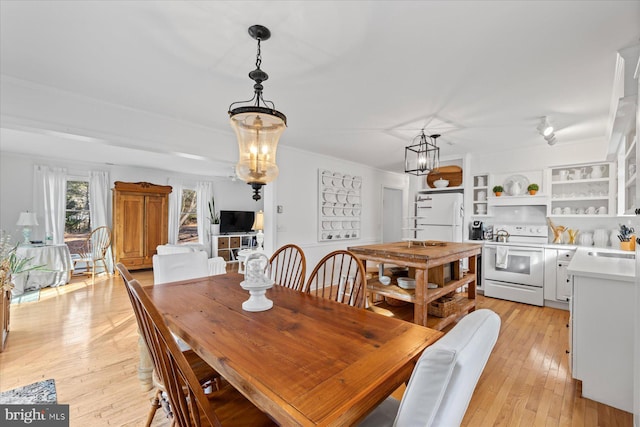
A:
[236, 221]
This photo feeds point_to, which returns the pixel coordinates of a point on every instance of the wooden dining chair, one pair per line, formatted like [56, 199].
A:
[288, 267]
[339, 276]
[93, 250]
[205, 374]
[190, 405]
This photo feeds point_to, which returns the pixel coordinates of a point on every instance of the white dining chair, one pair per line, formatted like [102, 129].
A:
[444, 378]
[179, 266]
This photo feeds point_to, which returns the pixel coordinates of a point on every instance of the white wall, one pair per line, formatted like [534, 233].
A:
[296, 190]
[16, 186]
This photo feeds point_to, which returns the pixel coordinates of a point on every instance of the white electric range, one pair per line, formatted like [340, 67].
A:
[514, 270]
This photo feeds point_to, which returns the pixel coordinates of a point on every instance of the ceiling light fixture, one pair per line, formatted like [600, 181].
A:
[423, 156]
[545, 128]
[258, 128]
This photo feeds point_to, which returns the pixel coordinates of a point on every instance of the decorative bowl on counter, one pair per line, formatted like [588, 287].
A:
[441, 183]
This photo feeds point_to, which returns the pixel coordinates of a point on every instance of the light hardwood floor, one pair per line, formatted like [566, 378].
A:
[85, 338]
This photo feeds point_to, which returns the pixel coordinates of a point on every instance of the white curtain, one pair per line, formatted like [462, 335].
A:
[99, 209]
[50, 189]
[175, 200]
[204, 191]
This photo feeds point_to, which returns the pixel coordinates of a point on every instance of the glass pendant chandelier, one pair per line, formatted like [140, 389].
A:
[258, 128]
[423, 156]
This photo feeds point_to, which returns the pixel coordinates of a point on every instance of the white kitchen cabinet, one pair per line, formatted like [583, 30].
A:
[602, 325]
[557, 281]
[564, 280]
[587, 189]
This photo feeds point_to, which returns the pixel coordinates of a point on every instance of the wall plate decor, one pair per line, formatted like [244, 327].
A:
[339, 205]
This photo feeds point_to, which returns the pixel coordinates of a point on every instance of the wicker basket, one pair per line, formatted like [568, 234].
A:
[443, 307]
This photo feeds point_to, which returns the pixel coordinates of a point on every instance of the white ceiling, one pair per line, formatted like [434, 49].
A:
[357, 80]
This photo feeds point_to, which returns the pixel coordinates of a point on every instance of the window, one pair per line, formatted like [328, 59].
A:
[77, 224]
[188, 222]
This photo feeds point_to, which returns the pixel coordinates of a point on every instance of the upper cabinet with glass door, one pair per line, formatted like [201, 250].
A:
[583, 189]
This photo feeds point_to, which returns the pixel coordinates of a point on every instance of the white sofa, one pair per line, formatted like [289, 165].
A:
[217, 265]
[444, 378]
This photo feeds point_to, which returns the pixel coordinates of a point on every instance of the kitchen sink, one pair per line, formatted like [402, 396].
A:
[613, 255]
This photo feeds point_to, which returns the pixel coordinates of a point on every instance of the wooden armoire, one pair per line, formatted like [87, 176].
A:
[140, 222]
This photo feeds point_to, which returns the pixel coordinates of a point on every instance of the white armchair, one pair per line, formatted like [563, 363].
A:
[180, 266]
[217, 265]
[444, 378]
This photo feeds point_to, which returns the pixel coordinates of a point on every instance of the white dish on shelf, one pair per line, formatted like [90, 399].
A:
[326, 178]
[326, 225]
[385, 280]
[342, 196]
[441, 183]
[330, 197]
[357, 182]
[337, 179]
[346, 181]
[406, 283]
[432, 286]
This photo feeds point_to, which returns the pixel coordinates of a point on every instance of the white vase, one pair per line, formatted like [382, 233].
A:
[215, 229]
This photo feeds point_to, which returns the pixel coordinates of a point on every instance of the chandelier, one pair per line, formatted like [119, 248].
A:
[258, 128]
[423, 155]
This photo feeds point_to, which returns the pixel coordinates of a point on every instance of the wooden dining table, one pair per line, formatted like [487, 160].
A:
[307, 361]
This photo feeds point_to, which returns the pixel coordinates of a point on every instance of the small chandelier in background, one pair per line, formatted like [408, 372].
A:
[423, 156]
[258, 128]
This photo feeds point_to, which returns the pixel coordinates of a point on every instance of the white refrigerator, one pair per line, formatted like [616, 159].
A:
[439, 217]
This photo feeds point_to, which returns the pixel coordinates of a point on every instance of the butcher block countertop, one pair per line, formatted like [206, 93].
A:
[429, 262]
[418, 253]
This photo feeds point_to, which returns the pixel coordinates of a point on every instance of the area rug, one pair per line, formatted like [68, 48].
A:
[30, 296]
[36, 393]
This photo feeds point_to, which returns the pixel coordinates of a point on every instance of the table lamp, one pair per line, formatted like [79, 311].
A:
[258, 224]
[26, 221]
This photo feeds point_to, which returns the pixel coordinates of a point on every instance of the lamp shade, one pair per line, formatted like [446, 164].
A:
[27, 219]
[258, 135]
[258, 223]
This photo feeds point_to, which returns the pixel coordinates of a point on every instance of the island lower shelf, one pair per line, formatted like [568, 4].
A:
[463, 304]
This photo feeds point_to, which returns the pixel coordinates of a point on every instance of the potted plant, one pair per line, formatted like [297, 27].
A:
[214, 218]
[533, 189]
[498, 190]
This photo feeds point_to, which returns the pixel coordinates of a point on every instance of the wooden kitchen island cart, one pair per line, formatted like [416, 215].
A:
[430, 262]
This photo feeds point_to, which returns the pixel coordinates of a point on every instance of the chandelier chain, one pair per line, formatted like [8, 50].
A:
[258, 56]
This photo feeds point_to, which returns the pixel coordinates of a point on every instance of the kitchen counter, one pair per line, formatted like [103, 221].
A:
[603, 267]
[602, 310]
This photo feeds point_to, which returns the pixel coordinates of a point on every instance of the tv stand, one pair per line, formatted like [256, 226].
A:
[228, 245]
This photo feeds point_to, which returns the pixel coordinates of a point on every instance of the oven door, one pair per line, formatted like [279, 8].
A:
[524, 265]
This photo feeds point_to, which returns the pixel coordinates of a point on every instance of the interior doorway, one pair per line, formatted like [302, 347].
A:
[391, 214]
